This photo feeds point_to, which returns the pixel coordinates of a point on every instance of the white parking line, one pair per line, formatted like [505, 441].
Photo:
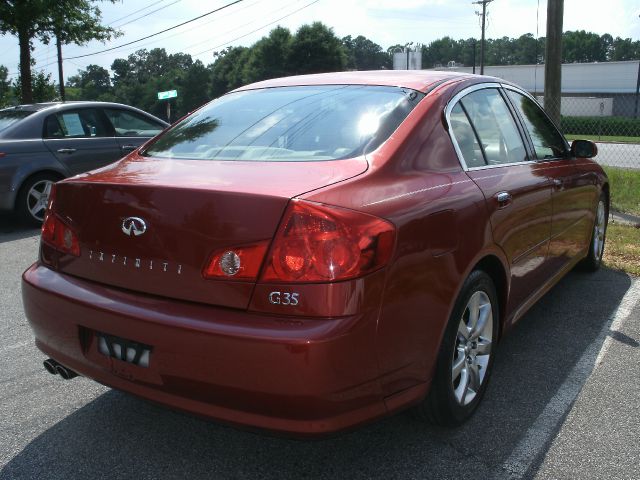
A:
[540, 433]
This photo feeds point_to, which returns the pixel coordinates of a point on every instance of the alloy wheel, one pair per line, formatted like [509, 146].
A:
[473, 348]
[599, 231]
[38, 198]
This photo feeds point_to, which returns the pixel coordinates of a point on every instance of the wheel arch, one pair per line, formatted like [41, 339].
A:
[492, 266]
[25, 180]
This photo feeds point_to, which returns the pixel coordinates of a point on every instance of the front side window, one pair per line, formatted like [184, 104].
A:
[131, 124]
[305, 123]
[85, 122]
[495, 127]
[548, 143]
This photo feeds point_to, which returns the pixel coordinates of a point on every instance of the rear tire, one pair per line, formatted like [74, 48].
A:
[593, 260]
[466, 354]
[33, 197]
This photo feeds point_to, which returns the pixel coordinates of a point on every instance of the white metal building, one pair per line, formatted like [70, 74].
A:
[611, 83]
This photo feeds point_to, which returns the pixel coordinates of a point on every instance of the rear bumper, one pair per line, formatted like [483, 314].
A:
[295, 375]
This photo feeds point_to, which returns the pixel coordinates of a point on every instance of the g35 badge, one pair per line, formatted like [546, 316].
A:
[284, 298]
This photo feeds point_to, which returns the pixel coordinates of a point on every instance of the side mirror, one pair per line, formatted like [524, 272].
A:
[584, 149]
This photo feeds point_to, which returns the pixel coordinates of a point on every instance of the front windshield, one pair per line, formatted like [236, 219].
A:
[10, 116]
[307, 123]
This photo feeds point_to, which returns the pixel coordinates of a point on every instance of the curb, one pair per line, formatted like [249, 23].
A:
[624, 218]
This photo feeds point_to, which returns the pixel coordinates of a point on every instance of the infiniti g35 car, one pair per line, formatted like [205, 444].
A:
[310, 253]
[46, 142]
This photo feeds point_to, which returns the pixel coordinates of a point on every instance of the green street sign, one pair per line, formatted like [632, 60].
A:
[168, 94]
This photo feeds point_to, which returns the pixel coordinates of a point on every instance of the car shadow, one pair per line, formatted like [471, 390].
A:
[117, 435]
[12, 229]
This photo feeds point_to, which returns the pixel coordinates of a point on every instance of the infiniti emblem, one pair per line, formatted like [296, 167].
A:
[134, 226]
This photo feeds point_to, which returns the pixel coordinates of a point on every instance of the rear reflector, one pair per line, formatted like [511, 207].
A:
[321, 243]
[239, 263]
[60, 235]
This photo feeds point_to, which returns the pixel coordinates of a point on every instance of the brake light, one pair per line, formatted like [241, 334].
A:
[320, 243]
[58, 234]
[240, 263]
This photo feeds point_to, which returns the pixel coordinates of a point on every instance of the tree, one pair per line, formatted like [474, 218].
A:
[94, 82]
[6, 95]
[526, 50]
[363, 54]
[625, 49]
[72, 21]
[581, 46]
[42, 88]
[226, 72]
[315, 49]
[193, 88]
[269, 57]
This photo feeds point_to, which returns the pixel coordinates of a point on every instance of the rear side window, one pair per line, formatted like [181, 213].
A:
[9, 117]
[81, 123]
[495, 127]
[131, 124]
[305, 123]
[466, 138]
[547, 140]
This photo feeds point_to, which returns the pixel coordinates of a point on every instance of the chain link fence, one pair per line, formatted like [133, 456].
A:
[612, 121]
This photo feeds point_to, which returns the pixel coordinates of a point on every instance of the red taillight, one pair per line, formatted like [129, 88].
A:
[57, 233]
[320, 243]
[240, 263]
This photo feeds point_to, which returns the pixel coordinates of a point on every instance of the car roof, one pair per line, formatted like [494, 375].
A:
[421, 80]
[36, 107]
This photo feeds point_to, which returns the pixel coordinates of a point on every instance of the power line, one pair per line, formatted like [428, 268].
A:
[40, 57]
[190, 31]
[222, 34]
[137, 11]
[149, 13]
[256, 30]
[157, 33]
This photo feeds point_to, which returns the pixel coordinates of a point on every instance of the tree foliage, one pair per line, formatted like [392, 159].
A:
[72, 21]
[136, 79]
[363, 54]
[315, 49]
[578, 46]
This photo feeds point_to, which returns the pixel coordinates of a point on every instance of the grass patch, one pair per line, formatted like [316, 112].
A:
[625, 189]
[603, 138]
[622, 250]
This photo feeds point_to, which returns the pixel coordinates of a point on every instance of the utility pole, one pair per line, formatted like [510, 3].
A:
[553, 60]
[484, 4]
[60, 74]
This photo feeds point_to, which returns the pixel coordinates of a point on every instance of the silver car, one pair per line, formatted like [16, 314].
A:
[45, 142]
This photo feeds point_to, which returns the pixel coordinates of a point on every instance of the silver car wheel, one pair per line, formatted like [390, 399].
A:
[473, 348]
[599, 230]
[38, 198]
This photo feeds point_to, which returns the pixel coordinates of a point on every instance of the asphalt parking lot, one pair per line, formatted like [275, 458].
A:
[563, 403]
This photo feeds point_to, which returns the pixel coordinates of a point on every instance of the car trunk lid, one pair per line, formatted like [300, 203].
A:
[189, 209]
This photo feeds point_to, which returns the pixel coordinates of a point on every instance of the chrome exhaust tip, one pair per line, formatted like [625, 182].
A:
[50, 365]
[65, 372]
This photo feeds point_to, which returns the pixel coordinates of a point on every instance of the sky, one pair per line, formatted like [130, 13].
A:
[386, 22]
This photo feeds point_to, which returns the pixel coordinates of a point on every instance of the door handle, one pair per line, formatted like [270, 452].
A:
[129, 148]
[66, 150]
[504, 199]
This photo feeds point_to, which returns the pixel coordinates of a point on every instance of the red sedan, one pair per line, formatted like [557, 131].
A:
[309, 253]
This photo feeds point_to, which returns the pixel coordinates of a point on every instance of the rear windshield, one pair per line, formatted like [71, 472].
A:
[9, 117]
[289, 124]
